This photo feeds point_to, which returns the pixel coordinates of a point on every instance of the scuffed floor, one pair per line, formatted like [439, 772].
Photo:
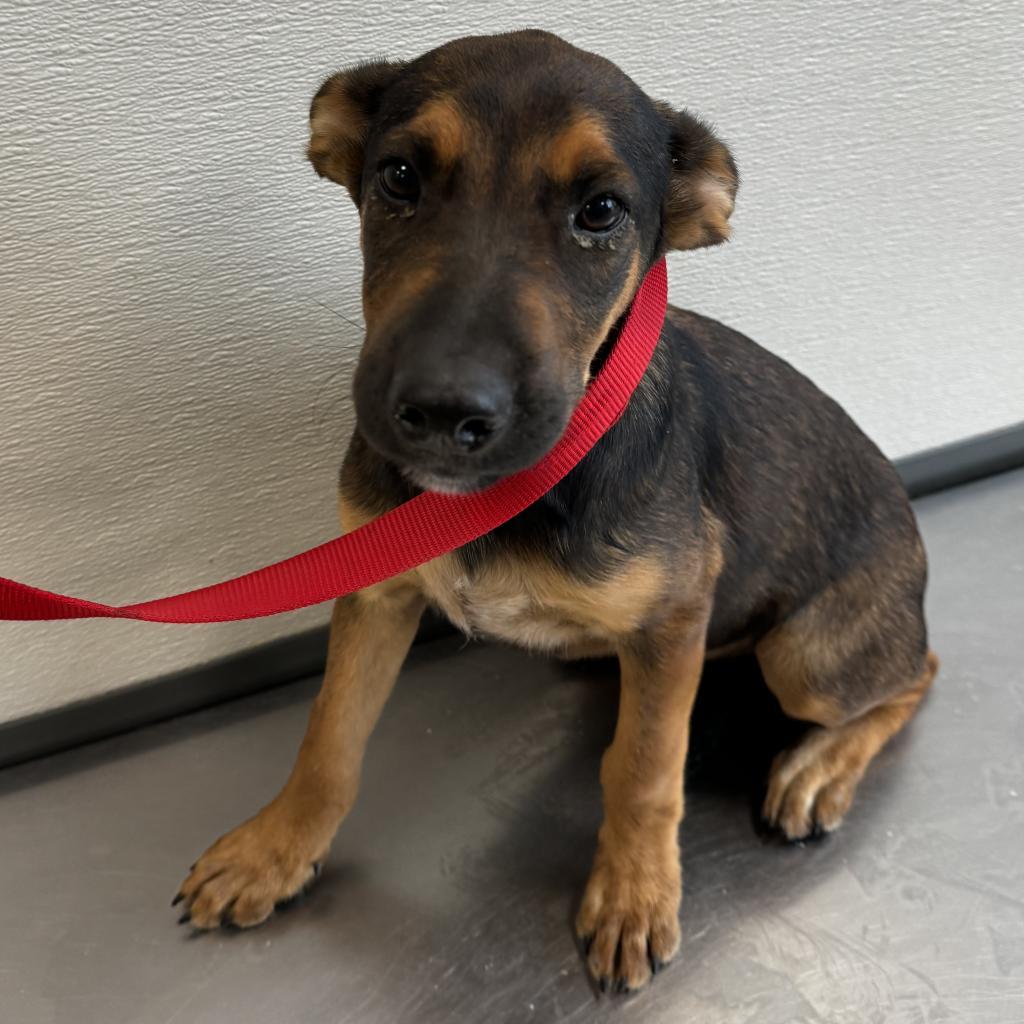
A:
[449, 893]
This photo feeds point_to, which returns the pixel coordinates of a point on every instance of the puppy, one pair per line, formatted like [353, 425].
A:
[513, 190]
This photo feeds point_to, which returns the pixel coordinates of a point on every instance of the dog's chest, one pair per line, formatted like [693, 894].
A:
[534, 605]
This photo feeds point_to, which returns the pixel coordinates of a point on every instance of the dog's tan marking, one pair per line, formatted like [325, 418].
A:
[531, 603]
[699, 204]
[745, 645]
[812, 785]
[440, 123]
[337, 134]
[387, 300]
[621, 304]
[352, 514]
[630, 908]
[585, 141]
[830, 663]
[273, 855]
[535, 302]
[547, 315]
[805, 658]
[631, 902]
[789, 668]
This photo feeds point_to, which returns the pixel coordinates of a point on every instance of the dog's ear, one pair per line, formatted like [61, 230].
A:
[702, 190]
[340, 118]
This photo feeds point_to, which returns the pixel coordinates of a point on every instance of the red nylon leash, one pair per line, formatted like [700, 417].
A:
[419, 530]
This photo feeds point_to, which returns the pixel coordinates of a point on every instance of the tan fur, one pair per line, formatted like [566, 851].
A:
[621, 305]
[786, 668]
[442, 125]
[801, 657]
[337, 134]
[583, 142]
[629, 912]
[394, 297]
[545, 313]
[813, 784]
[631, 900]
[625, 297]
[274, 854]
[699, 204]
[544, 310]
[745, 645]
[532, 604]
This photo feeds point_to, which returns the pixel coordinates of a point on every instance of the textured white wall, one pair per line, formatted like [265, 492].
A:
[174, 389]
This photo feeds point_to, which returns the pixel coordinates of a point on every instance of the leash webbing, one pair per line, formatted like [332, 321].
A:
[415, 532]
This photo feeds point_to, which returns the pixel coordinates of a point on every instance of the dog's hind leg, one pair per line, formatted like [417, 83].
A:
[855, 662]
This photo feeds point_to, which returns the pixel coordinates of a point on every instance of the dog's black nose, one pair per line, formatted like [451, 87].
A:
[437, 416]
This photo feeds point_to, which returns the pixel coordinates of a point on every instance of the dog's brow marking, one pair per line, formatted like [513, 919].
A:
[583, 141]
[441, 123]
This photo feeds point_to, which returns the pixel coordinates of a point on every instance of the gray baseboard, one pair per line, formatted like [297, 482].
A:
[239, 675]
[258, 668]
[300, 656]
[974, 458]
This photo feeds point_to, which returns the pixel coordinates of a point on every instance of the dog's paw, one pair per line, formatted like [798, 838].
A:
[811, 787]
[247, 873]
[629, 918]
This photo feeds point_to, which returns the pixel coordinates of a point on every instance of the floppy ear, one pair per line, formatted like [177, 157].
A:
[340, 118]
[702, 190]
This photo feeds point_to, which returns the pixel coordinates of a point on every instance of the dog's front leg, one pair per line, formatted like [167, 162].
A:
[273, 855]
[629, 917]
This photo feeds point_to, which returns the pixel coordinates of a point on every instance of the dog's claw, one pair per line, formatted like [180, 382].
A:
[603, 986]
[185, 918]
[227, 922]
[177, 899]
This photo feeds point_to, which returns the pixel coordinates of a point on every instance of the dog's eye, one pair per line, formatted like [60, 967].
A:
[602, 213]
[400, 181]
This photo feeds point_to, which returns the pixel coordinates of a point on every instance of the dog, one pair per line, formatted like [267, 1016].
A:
[513, 190]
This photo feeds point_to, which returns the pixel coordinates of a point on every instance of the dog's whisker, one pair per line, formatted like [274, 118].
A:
[318, 413]
[340, 315]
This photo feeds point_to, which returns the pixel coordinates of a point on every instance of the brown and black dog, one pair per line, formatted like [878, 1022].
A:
[513, 190]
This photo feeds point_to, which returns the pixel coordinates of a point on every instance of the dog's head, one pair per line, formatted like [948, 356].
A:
[513, 190]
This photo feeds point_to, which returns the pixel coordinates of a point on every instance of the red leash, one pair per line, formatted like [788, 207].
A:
[421, 529]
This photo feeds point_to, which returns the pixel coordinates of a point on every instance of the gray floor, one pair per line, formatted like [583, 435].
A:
[449, 893]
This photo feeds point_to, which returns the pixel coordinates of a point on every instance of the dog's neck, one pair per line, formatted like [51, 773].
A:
[570, 523]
